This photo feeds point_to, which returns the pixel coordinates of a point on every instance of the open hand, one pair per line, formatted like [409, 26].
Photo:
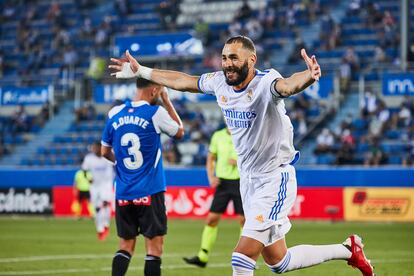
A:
[313, 66]
[125, 67]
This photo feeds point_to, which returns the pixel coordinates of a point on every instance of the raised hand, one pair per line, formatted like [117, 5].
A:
[313, 66]
[126, 67]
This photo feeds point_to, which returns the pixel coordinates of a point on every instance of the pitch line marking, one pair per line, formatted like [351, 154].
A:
[85, 256]
[80, 270]
[183, 266]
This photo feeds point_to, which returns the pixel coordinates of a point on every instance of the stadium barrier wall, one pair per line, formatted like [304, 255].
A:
[352, 194]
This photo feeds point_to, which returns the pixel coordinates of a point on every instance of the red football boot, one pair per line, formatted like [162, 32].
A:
[358, 259]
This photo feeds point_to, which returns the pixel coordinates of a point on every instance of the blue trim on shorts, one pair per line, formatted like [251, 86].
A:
[284, 193]
[278, 195]
[281, 196]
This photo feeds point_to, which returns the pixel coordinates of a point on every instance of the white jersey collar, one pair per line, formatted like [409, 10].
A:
[139, 103]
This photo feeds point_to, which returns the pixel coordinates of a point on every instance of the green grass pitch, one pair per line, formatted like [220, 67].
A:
[49, 246]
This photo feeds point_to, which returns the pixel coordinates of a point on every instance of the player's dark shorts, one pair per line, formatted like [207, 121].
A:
[146, 216]
[226, 191]
[84, 195]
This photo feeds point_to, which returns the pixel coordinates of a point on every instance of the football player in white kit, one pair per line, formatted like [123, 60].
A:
[102, 195]
[254, 111]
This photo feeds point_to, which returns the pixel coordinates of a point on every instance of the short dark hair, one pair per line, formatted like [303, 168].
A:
[244, 40]
[144, 83]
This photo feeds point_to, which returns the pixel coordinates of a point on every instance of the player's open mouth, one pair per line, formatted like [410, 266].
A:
[230, 73]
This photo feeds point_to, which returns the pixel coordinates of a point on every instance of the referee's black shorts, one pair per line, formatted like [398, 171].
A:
[227, 190]
[146, 216]
[84, 195]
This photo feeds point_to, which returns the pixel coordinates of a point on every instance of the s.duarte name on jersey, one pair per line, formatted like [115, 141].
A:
[239, 119]
[135, 120]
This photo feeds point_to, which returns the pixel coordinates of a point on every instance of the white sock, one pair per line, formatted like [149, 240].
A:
[242, 265]
[107, 216]
[302, 256]
[99, 220]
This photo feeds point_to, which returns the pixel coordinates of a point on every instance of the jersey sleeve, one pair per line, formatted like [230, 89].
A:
[207, 82]
[213, 144]
[271, 78]
[107, 135]
[164, 123]
[86, 164]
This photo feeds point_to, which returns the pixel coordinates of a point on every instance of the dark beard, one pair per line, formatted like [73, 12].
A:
[242, 73]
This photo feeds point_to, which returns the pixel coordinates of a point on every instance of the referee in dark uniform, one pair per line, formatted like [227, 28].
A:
[223, 175]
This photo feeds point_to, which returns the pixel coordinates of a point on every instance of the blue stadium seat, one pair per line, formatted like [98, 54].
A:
[394, 160]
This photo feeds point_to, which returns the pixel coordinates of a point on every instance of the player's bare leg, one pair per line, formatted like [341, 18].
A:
[154, 247]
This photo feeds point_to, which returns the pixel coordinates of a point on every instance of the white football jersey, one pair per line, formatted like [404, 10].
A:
[101, 169]
[262, 132]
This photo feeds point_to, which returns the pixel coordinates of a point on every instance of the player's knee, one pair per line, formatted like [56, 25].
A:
[155, 248]
[213, 219]
[155, 251]
[127, 245]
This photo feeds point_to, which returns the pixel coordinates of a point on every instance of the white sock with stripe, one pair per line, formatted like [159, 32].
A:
[99, 220]
[302, 256]
[242, 265]
[107, 216]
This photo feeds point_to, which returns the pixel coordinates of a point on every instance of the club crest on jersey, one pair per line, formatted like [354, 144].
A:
[249, 95]
[223, 99]
[210, 75]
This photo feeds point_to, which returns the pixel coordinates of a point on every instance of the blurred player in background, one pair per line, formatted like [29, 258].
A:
[223, 175]
[131, 140]
[254, 110]
[102, 195]
[81, 191]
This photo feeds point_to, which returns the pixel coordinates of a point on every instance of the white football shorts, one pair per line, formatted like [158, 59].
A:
[101, 193]
[267, 200]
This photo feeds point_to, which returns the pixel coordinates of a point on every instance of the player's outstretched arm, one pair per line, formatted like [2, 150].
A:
[128, 67]
[173, 114]
[108, 153]
[299, 81]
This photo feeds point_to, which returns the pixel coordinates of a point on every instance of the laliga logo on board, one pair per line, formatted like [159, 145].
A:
[16, 97]
[401, 86]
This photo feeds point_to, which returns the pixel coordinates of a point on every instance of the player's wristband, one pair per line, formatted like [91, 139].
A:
[144, 72]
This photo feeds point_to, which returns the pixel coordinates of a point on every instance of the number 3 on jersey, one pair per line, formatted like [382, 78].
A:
[137, 160]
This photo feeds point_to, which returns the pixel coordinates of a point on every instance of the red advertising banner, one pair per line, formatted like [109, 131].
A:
[194, 202]
[311, 203]
[62, 200]
[318, 203]
[191, 202]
